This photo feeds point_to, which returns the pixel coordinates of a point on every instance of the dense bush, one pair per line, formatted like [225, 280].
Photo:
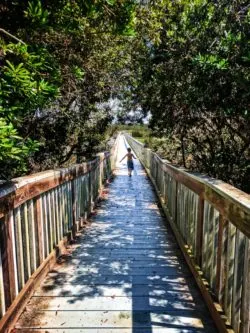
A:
[60, 64]
[136, 134]
[191, 71]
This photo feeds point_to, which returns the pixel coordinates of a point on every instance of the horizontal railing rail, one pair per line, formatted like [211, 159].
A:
[38, 214]
[211, 221]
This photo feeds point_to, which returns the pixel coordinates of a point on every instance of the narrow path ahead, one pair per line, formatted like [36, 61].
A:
[126, 273]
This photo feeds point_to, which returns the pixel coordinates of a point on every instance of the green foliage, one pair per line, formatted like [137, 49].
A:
[190, 62]
[36, 14]
[55, 81]
[78, 72]
[136, 134]
[13, 149]
[185, 63]
[206, 61]
[23, 83]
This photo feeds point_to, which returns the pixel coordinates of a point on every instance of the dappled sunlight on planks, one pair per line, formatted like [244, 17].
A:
[125, 272]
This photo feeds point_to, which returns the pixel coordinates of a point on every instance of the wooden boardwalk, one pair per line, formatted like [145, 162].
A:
[124, 274]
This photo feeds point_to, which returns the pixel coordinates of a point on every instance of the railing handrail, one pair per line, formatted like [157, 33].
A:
[39, 215]
[227, 191]
[211, 222]
[16, 191]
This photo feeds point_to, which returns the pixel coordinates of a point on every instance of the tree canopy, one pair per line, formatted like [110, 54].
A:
[58, 68]
[191, 70]
[185, 63]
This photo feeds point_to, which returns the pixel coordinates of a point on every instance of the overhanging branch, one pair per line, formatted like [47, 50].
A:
[12, 36]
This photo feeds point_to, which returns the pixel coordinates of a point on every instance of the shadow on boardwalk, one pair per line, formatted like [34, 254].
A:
[124, 274]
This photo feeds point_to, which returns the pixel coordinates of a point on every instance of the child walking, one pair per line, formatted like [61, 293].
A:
[130, 163]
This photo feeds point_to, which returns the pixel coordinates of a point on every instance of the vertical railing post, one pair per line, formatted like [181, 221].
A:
[245, 305]
[175, 215]
[39, 225]
[2, 296]
[8, 243]
[101, 172]
[89, 208]
[219, 254]
[73, 198]
[199, 231]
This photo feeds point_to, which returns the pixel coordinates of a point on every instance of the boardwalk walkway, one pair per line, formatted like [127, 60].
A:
[125, 274]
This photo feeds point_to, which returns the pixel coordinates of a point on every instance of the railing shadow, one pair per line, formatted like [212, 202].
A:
[123, 258]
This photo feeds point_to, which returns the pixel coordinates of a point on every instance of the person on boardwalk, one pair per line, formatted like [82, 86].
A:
[130, 163]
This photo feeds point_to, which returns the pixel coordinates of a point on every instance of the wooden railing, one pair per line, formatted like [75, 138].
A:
[211, 221]
[38, 214]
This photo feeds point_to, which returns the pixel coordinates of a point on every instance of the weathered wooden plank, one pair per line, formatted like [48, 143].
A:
[64, 209]
[19, 248]
[224, 271]
[240, 243]
[12, 256]
[184, 178]
[206, 250]
[8, 260]
[169, 301]
[150, 253]
[57, 216]
[210, 234]
[230, 270]
[230, 210]
[49, 222]
[4, 263]
[202, 284]
[115, 303]
[26, 241]
[74, 203]
[89, 191]
[219, 263]
[233, 204]
[124, 262]
[60, 212]
[173, 287]
[135, 238]
[245, 304]
[73, 270]
[133, 257]
[128, 246]
[84, 196]
[119, 319]
[78, 198]
[31, 186]
[24, 232]
[32, 237]
[2, 296]
[69, 204]
[149, 329]
[215, 221]
[53, 218]
[117, 280]
[38, 216]
[14, 311]
[45, 225]
[199, 231]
